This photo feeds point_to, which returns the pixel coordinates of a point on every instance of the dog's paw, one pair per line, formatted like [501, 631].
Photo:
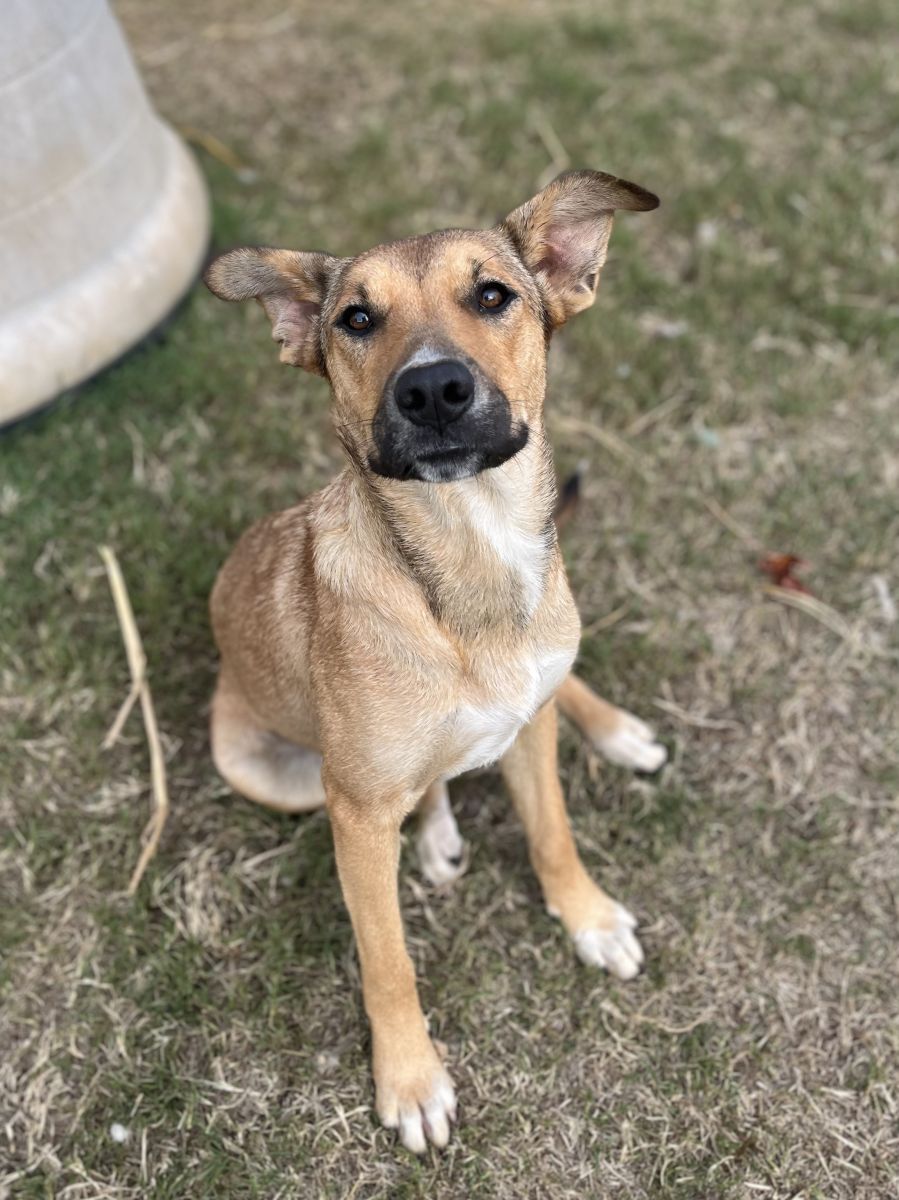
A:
[616, 949]
[441, 850]
[632, 745]
[419, 1101]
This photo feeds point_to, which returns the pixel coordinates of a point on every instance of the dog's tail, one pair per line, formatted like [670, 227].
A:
[569, 497]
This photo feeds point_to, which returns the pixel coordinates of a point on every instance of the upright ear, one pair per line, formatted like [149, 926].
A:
[562, 234]
[289, 284]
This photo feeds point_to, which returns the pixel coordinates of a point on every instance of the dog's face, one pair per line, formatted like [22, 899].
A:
[435, 347]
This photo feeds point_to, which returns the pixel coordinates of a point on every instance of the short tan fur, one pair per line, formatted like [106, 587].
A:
[413, 620]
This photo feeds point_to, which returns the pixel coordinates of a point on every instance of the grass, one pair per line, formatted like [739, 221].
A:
[217, 1015]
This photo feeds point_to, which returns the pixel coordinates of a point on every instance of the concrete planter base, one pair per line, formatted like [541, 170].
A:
[106, 222]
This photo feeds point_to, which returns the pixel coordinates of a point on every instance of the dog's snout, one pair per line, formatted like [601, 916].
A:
[434, 394]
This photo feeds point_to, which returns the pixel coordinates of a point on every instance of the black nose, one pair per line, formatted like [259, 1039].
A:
[434, 394]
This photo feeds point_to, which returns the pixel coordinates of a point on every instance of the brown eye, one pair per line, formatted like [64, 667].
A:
[493, 296]
[356, 319]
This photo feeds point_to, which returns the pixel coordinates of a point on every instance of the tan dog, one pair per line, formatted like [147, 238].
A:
[413, 620]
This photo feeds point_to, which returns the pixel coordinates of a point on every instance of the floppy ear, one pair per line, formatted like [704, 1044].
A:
[562, 234]
[289, 284]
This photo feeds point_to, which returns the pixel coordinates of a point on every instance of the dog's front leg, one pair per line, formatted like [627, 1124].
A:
[413, 1091]
[602, 929]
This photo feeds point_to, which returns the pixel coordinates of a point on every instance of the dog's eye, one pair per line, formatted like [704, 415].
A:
[356, 319]
[493, 296]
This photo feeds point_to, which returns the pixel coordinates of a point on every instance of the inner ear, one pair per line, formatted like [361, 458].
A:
[573, 256]
[562, 235]
[295, 327]
[290, 285]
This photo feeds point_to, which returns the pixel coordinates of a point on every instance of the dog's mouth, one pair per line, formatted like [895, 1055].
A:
[449, 454]
[446, 464]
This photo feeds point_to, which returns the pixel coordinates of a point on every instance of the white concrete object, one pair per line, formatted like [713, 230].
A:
[104, 218]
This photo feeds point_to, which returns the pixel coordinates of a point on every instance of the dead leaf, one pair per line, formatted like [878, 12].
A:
[780, 567]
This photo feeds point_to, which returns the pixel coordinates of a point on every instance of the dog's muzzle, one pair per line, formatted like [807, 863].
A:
[442, 421]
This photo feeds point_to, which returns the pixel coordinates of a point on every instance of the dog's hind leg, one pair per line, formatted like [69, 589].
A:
[617, 734]
[259, 764]
[602, 930]
[441, 850]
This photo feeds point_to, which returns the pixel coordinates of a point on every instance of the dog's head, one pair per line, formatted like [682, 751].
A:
[435, 346]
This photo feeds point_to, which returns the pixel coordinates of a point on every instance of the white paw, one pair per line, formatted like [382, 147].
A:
[615, 949]
[422, 1114]
[632, 745]
[441, 850]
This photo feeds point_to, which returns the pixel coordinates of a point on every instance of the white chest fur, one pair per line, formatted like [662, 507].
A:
[481, 730]
[491, 515]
